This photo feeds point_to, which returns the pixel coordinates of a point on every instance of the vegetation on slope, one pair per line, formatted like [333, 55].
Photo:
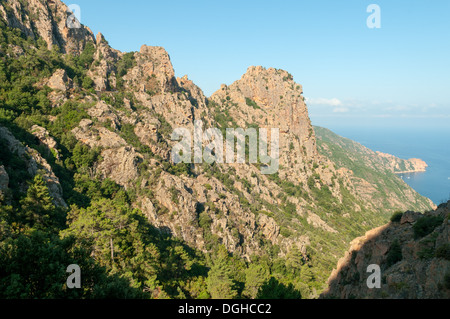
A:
[123, 255]
[368, 166]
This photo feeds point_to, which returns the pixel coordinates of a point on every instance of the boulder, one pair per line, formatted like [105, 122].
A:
[59, 81]
[45, 139]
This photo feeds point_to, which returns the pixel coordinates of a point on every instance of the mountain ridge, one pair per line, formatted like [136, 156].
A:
[103, 121]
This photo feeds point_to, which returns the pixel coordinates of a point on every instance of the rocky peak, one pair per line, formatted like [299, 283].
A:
[153, 73]
[99, 39]
[270, 98]
[157, 64]
[104, 50]
[266, 86]
[48, 20]
[103, 71]
[195, 92]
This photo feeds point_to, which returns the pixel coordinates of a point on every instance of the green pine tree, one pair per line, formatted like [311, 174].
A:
[220, 283]
[255, 276]
[37, 206]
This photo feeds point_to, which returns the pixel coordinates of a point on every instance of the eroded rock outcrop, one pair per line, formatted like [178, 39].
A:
[103, 71]
[153, 73]
[35, 164]
[97, 136]
[45, 139]
[120, 165]
[50, 22]
[399, 166]
[60, 81]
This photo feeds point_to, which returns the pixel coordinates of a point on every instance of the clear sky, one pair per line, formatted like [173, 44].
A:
[349, 72]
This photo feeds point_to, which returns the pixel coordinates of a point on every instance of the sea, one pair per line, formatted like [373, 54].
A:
[429, 143]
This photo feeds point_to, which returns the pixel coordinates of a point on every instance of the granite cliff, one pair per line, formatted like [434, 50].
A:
[46, 20]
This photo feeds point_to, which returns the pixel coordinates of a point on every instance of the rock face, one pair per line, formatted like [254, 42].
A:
[399, 166]
[60, 81]
[120, 164]
[36, 164]
[45, 139]
[154, 71]
[103, 73]
[270, 98]
[48, 20]
[412, 266]
[97, 136]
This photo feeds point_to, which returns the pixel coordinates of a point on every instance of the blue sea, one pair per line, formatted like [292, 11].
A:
[429, 143]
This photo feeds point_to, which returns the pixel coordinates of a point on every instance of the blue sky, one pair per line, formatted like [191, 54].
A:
[350, 73]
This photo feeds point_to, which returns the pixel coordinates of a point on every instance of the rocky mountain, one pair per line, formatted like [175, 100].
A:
[47, 20]
[413, 253]
[96, 124]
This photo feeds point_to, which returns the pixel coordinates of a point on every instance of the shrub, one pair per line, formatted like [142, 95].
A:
[396, 217]
[128, 134]
[285, 232]
[426, 225]
[87, 83]
[174, 194]
[204, 221]
[251, 103]
[291, 146]
[311, 182]
[87, 56]
[394, 254]
[426, 253]
[180, 169]
[443, 251]
[127, 62]
[83, 156]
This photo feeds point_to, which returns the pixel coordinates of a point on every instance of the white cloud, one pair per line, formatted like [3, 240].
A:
[341, 110]
[323, 101]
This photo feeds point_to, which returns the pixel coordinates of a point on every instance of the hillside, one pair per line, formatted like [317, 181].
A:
[86, 176]
[373, 175]
[413, 253]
